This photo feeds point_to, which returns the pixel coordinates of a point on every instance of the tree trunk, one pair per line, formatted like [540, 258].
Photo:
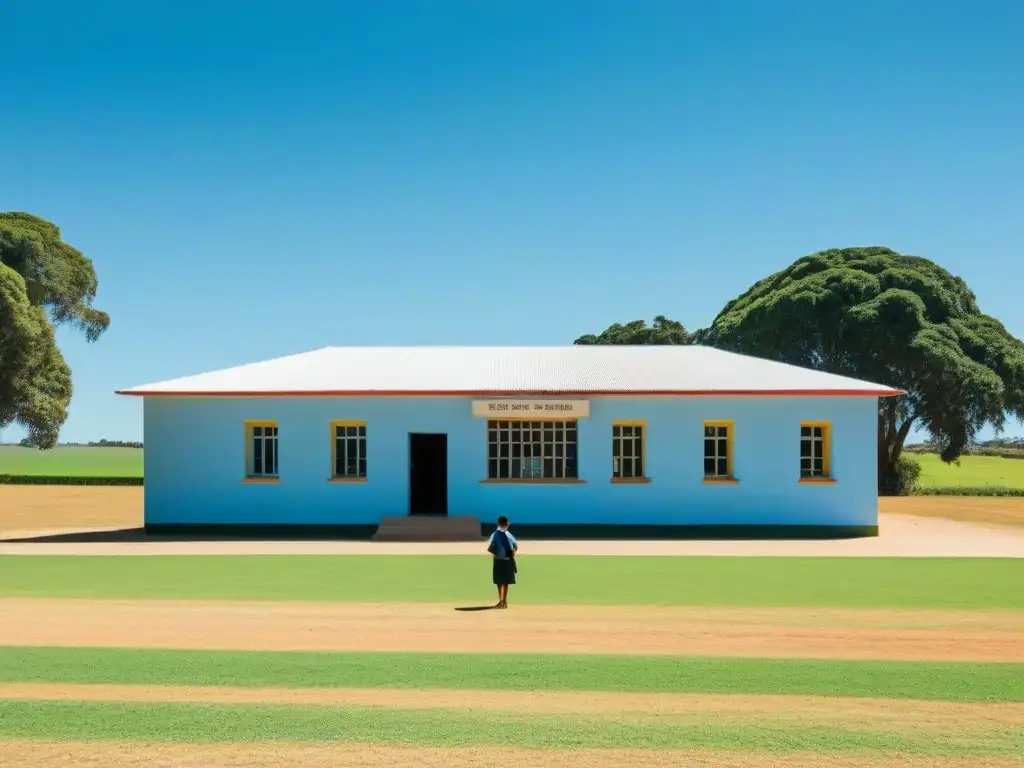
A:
[892, 435]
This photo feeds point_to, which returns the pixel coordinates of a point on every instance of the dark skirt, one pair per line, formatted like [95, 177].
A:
[504, 572]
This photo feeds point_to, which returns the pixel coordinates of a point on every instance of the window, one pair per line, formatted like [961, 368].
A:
[531, 450]
[348, 450]
[718, 450]
[261, 451]
[627, 450]
[814, 450]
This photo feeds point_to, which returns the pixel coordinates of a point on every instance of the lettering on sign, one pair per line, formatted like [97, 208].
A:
[539, 409]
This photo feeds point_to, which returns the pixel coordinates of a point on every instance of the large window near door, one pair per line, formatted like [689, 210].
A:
[348, 450]
[531, 450]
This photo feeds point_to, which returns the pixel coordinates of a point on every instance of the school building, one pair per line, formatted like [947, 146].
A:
[437, 442]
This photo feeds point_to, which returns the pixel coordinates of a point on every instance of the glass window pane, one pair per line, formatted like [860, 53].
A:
[805, 448]
[616, 447]
[492, 468]
[627, 467]
[723, 467]
[492, 450]
[709, 448]
[549, 449]
[805, 465]
[818, 432]
[362, 431]
[257, 457]
[362, 467]
[709, 431]
[503, 450]
[517, 450]
[709, 466]
[257, 431]
[517, 468]
[616, 431]
[638, 467]
[638, 447]
[559, 468]
[270, 456]
[549, 468]
[502, 468]
[805, 431]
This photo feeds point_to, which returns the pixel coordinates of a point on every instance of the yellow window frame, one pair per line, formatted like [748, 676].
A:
[335, 478]
[247, 476]
[643, 448]
[730, 436]
[826, 453]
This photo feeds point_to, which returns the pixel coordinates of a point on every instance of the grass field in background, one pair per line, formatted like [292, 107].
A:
[553, 580]
[970, 471]
[71, 461]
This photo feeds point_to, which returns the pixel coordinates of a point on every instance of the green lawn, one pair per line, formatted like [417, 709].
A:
[554, 580]
[71, 461]
[887, 679]
[450, 728]
[971, 472]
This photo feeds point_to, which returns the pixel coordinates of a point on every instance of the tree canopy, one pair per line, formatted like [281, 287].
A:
[663, 331]
[44, 282]
[893, 319]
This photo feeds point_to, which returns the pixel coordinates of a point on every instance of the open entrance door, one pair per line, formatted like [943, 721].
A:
[428, 474]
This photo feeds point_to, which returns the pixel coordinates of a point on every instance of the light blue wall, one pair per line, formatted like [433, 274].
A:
[195, 462]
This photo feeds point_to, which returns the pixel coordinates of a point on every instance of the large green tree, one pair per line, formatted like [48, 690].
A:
[904, 321]
[663, 331]
[44, 282]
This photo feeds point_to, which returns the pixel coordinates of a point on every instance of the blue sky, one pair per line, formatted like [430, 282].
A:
[261, 178]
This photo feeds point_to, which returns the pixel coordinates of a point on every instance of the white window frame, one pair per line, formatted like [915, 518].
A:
[720, 434]
[629, 450]
[354, 466]
[263, 442]
[536, 451]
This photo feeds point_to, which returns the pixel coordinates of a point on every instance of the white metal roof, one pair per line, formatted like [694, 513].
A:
[450, 370]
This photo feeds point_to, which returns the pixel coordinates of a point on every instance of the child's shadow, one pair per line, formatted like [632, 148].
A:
[475, 608]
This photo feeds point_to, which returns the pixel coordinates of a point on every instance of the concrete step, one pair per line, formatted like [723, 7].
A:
[428, 528]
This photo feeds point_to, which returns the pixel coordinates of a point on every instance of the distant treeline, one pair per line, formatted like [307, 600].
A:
[1005, 447]
[101, 444]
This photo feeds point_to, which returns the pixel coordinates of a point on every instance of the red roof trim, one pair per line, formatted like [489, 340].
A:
[880, 392]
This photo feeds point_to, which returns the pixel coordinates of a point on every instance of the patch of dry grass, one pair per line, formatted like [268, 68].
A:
[986, 510]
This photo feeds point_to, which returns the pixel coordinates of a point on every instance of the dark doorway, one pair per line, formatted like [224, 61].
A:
[428, 474]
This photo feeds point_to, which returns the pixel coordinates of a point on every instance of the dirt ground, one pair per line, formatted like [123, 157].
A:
[62, 507]
[797, 633]
[909, 527]
[969, 509]
[25, 754]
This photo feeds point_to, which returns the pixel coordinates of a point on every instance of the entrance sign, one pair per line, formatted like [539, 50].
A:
[532, 409]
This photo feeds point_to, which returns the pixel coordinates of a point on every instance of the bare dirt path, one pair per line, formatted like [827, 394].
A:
[917, 526]
[526, 629]
[806, 711]
[27, 754]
